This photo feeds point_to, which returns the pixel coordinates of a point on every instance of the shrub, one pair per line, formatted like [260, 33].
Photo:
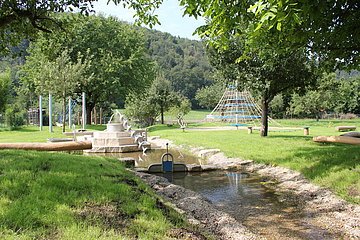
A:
[14, 116]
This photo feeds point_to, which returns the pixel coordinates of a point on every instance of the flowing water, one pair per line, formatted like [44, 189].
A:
[244, 196]
[247, 198]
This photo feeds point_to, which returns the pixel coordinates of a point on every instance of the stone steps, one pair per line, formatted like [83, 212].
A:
[123, 148]
[113, 142]
[111, 134]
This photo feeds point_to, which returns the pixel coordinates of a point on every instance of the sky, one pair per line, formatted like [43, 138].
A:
[170, 17]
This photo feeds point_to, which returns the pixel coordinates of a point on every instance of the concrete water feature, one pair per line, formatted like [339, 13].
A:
[119, 138]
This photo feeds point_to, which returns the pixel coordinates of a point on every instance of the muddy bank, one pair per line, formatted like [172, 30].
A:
[320, 207]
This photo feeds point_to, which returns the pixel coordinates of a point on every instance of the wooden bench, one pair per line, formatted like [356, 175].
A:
[345, 128]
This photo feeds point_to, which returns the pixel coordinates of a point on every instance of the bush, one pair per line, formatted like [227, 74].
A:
[14, 117]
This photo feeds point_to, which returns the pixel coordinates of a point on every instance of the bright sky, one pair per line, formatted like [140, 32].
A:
[170, 17]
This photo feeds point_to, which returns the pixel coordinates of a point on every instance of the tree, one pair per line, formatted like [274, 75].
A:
[266, 71]
[181, 109]
[59, 77]
[162, 95]
[139, 108]
[4, 89]
[331, 94]
[147, 105]
[329, 29]
[183, 62]
[24, 19]
[119, 63]
[209, 96]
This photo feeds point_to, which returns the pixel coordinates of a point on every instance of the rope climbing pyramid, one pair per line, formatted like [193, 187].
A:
[236, 107]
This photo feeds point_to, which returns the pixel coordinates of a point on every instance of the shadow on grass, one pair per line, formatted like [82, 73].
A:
[328, 158]
[295, 137]
[25, 130]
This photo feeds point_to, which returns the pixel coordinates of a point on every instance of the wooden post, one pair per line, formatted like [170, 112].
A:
[92, 116]
[249, 130]
[95, 115]
[306, 131]
[101, 116]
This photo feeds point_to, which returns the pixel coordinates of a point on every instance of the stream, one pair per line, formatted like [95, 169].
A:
[246, 197]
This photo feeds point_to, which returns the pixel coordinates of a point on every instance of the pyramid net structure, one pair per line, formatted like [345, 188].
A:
[236, 107]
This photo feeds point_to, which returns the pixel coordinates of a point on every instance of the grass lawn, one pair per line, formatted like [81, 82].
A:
[32, 133]
[61, 196]
[335, 166]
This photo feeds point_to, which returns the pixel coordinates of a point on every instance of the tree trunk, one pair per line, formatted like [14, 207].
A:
[63, 113]
[264, 117]
[162, 114]
[89, 107]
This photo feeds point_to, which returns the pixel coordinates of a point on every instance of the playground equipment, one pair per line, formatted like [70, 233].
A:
[118, 137]
[37, 118]
[236, 107]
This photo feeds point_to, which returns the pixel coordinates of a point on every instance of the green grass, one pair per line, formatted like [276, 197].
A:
[61, 196]
[334, 166]
[32, 133]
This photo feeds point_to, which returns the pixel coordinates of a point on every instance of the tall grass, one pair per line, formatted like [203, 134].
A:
[61, 196]
[334, 166]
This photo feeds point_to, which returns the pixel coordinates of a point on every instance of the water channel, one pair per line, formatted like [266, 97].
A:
[244, 196]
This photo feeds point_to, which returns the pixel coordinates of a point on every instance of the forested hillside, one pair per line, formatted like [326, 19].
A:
[183, 62]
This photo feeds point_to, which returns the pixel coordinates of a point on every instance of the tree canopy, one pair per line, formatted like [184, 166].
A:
[329, 29]
[119, 63]
[23, 19]
[183, 62]
[4, 88]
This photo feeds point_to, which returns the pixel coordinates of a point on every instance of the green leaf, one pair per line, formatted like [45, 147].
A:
[278, 26]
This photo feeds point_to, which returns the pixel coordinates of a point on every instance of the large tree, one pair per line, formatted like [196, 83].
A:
[265, 71]
[119, 63]
[23, 19]
[154, 101]
[329, 29]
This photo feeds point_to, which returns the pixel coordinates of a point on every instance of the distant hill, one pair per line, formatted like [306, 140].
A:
[183, 61]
